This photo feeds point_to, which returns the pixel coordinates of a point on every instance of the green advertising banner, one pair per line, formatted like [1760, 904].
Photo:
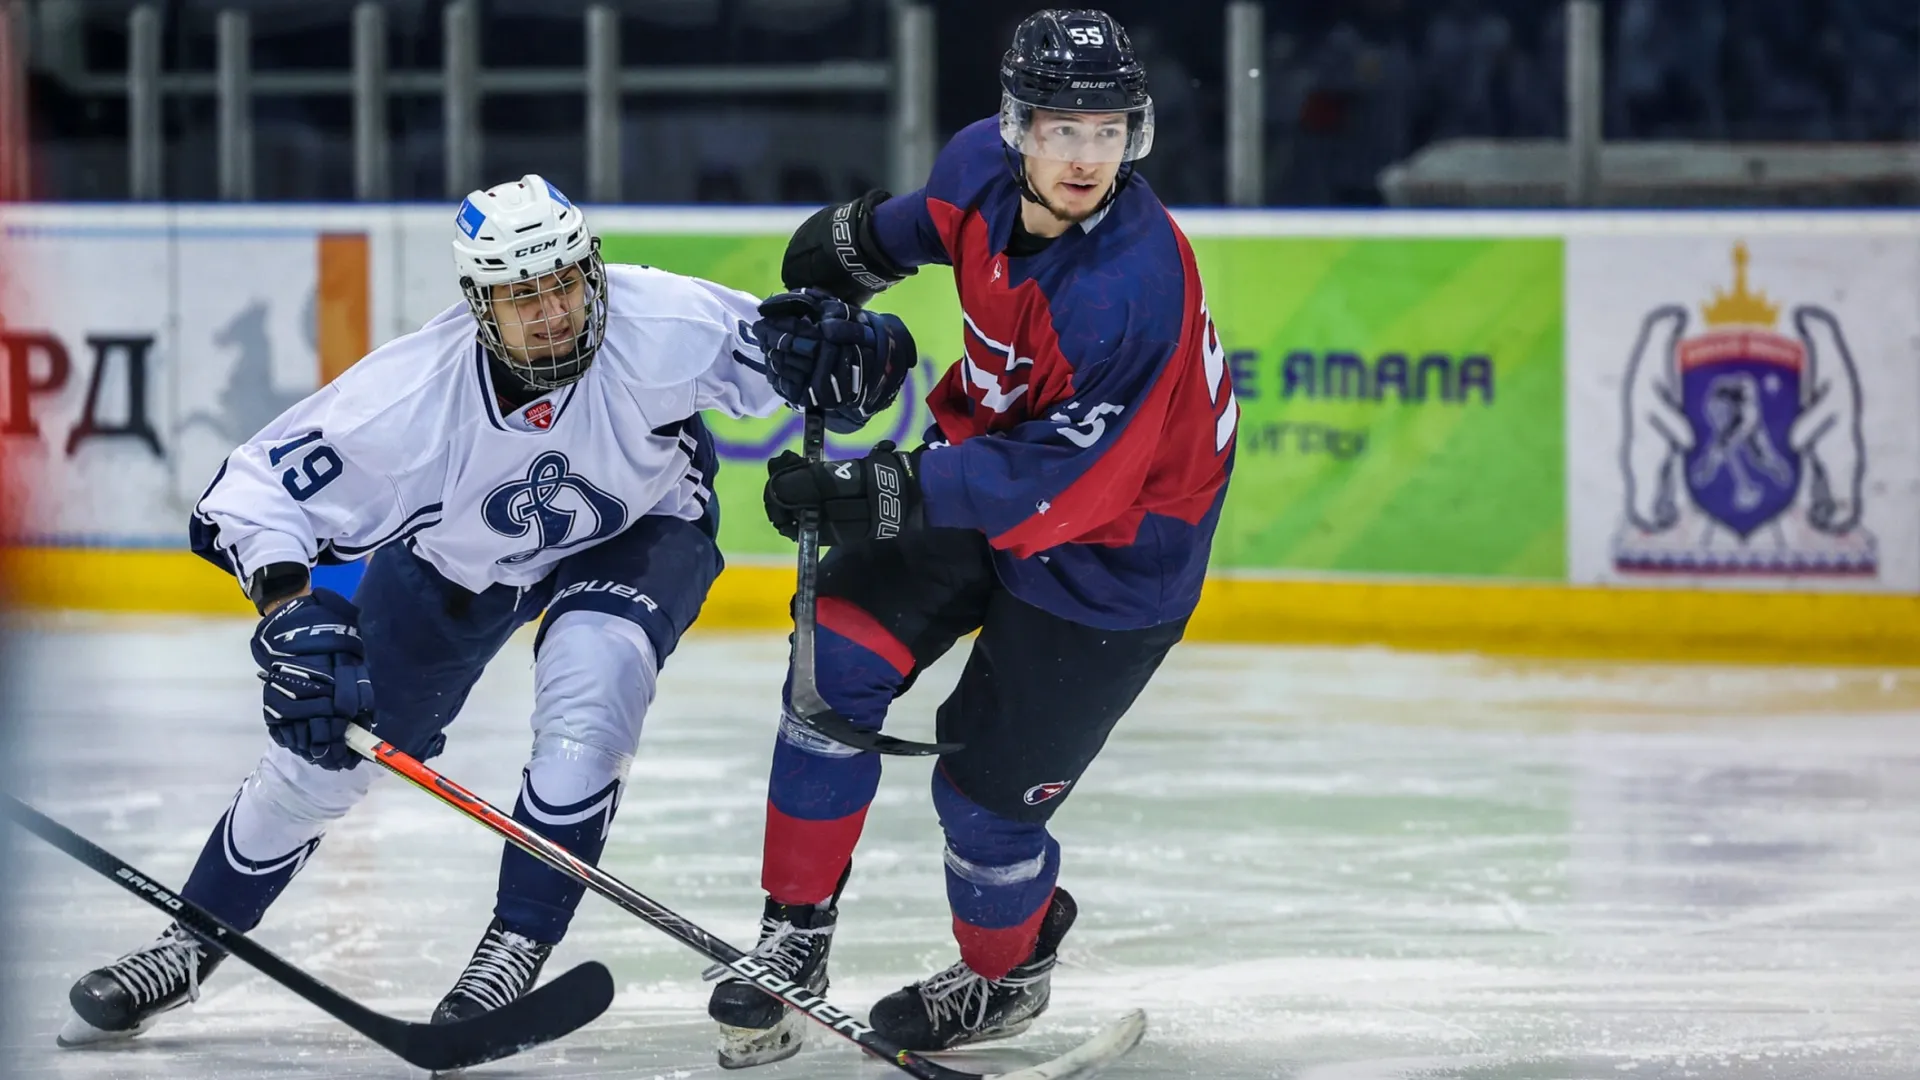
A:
[1401, 405]
[1400, 400]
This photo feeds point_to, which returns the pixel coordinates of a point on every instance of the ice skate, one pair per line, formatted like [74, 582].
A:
[958, 1006]
[124, 998]
[755, 1028]
[504, 966]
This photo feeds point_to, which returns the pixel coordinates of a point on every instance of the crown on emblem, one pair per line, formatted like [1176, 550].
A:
[1740, 307]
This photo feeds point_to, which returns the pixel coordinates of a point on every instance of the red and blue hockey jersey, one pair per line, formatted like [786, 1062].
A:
[1090, 421]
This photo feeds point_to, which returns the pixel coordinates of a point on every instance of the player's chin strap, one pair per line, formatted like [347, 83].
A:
[809, 708]
[1019, 169]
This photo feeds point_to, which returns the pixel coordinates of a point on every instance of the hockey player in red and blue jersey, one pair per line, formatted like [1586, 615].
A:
[1063, 507]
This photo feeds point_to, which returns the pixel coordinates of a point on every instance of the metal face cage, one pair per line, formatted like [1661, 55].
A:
[545, 328]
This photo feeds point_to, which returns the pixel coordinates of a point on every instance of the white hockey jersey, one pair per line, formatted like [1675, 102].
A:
[410, 444]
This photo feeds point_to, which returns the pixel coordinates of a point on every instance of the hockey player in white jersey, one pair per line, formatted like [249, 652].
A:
[537, 448]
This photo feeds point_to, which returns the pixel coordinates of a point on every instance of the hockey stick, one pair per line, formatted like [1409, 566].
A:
[568, 1002]
[1082, 1061]
[808, 706]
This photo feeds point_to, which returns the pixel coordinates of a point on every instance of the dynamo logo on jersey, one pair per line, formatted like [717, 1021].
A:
[562, 509]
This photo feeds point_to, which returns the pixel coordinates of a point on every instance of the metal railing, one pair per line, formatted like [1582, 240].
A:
[1246, 102]
[15, 179]
[461, 82]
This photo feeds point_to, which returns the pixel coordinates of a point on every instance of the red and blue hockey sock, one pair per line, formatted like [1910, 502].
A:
[818, 797]
[536, 901]
[1000, 877]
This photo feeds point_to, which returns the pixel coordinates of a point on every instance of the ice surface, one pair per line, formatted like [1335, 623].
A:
[1303, 863]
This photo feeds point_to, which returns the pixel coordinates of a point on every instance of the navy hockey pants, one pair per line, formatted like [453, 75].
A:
[1034, 706]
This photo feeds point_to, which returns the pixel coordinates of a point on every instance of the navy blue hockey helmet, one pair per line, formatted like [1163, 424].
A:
[1074, 61]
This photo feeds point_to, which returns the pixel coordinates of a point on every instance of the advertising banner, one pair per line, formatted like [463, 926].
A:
[134, 357]
[1730, 411]
[1741, 411]
[1400, 399]
[1399, 404]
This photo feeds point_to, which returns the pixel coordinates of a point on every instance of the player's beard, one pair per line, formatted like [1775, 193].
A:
[1068, 217]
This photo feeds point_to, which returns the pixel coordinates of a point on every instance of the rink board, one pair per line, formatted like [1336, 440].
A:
[1684, 436]
[1520, 620]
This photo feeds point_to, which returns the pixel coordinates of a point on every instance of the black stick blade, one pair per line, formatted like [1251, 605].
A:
[845, 732]
[556, 1009]
[542, 1015]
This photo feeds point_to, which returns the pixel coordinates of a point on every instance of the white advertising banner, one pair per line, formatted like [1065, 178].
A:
[1741, 409]
[90, 355]
[138, 349]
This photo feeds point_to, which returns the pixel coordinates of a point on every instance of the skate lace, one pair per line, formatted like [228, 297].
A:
[783, 947]
[152, 973]
[502, 966]
[964, 994]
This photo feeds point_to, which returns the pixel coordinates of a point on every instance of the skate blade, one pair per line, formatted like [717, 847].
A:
[993, 1034]
[77, 1034]
[743, 1048]
[1089, 1057]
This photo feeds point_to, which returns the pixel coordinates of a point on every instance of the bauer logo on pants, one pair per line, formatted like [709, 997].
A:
[1040, 793]
[1742, 452]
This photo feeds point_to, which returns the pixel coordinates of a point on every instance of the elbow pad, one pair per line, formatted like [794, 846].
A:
[836, 250]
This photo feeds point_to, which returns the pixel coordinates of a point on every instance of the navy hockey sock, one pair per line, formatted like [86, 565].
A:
[234, 887]
[1000, 879]
[536, 901]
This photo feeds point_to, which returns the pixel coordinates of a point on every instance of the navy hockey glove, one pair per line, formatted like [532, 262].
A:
[869, 498]
[825, 353]
[315, 671]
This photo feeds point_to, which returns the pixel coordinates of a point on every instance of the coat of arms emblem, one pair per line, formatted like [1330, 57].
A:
[1742, 451]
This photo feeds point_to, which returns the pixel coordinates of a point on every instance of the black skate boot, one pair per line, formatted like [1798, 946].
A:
[957, 1006]
[122, 999]
[503, 967]
[756, 1028]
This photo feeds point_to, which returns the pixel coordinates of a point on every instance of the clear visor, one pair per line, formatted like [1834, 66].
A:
[1085, 137]
[547, 327]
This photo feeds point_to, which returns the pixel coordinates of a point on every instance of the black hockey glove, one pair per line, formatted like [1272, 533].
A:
[869, 498]
[825, 353]
[315, 671]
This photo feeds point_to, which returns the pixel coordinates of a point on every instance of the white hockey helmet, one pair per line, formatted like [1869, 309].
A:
[532, 275]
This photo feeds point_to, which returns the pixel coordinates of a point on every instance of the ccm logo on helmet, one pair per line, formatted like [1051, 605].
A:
[535, 249]
[1040, 793]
